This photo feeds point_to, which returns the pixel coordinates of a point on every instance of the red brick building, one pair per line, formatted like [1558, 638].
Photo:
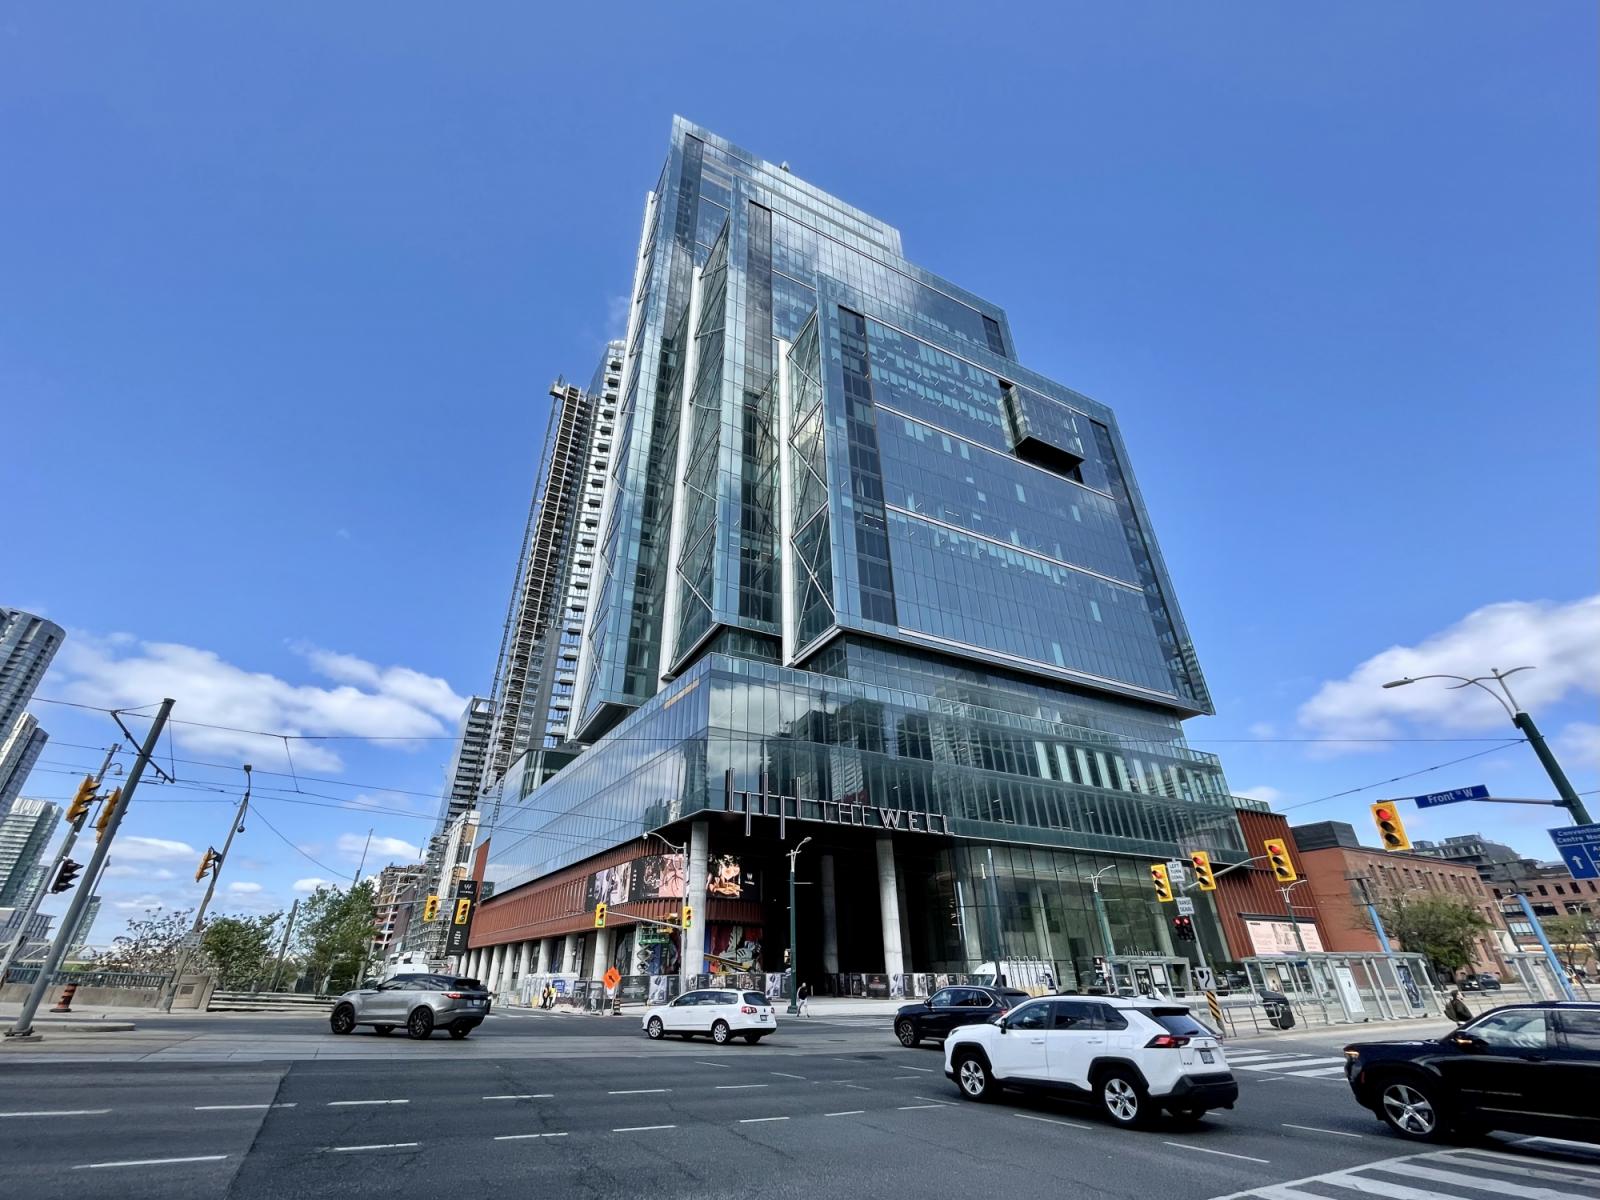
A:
[1255, 920]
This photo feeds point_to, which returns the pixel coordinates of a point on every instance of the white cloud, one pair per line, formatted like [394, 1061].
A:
[1270, 795]
[138, 904]
[617, 310]
[1263, 729]
[367, 701]
[244, 887]
[119, 871]
[1561, 640]
[1578, 746]
[133, 848]
[310, 884]
[351, 845]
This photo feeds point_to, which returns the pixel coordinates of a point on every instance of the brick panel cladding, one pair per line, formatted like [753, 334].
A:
[1252, 892]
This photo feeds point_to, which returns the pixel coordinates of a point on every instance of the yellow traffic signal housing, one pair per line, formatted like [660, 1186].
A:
[207, 862]
[600, 915]
[79, 808]
[106, 809]
[1158, 876]
[430, 909]
[1390, 827]
[463, 909]
[688, 916]
[1280, 862]
[1205, 878]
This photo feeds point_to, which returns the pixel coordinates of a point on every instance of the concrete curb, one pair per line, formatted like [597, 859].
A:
[42, 1027]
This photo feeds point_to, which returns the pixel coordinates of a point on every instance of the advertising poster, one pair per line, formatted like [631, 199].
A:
[655, 951]
[665, 877]
[737, 947]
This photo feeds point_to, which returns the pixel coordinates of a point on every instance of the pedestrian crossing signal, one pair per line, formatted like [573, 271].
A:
[430, 909]
[1280, 862]
[1163, 882]
[600, 915]
[1205, 877]
[1391, 829]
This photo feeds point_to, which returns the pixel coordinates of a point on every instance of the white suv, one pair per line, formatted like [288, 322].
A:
[1130, 1056]
[720, 1013]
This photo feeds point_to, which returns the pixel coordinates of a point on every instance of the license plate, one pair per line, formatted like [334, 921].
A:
[1207, 1056]
[766, 1017]
[479, 1003]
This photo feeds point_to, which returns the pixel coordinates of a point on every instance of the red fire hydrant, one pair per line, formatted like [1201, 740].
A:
[64, 1005]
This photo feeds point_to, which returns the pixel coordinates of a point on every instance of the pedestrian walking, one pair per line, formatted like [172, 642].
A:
[1456, 1009]
[804, 996]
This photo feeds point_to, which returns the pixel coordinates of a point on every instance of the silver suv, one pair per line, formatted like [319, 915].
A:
[420, 1003]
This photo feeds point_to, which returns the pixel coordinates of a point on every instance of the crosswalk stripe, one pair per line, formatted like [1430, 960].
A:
[1500, 1186]
[1378, 1187]
[1319, 1072]
[1290, 1064]
[1556, 1172]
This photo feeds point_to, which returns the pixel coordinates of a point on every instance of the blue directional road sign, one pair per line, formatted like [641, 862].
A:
[1580, 849]
[1453, 796]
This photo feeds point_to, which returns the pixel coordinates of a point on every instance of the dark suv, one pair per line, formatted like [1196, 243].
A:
[1528, 1068]
[951, 1007]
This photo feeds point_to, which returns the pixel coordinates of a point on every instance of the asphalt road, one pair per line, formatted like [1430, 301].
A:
[822, 1109]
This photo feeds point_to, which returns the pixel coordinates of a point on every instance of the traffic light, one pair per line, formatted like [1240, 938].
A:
[66, 876]
[1280, 862]
[430, 909]
[209, 861]
[688, 916]
[1390, 828]
[1184, 928]
[106, 809]
[600, 915]
[1204, 877]
[79, 808]
[786, 958]
[1158, 875]
[463, 909]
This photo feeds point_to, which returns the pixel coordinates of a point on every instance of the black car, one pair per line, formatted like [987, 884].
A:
[1523, 1068]
[949, 1007]
[1482, 982]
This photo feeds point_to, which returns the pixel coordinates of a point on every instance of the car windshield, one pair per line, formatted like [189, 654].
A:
[755, 998]
[1177, 1021]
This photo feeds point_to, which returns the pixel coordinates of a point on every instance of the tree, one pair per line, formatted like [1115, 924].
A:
[240, 948]
[1572, 937]
[150, 944]
[335, 932]
[1445, 928]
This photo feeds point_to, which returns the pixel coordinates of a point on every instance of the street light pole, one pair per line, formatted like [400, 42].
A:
[1100, 910]
[186, 952]
[1570, 800]
[1288, 909]
[794, 951]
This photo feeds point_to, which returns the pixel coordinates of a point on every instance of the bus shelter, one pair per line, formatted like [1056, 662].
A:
[1349, 987]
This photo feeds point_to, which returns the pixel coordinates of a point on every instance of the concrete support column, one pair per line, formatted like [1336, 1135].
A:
[694, 939]
[830, 918]
[474, 963]
[894, 962]
[542, 949]
[496, 955]
[602, 952]
[520, 971]
[569, 956]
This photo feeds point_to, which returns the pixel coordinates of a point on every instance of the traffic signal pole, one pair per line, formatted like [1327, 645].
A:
[186, 952]
[23, 1026]
[73, 830]
[283, 946]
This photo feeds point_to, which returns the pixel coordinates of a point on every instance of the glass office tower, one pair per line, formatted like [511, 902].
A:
[863, 577]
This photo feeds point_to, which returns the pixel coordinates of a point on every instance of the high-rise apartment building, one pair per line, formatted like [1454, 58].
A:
[464, 776]
[394, 893]
[864, 578]
[20, 748]
[537, 668]
[27, 644]
[24, 833]
[446, 865]
[80, 934]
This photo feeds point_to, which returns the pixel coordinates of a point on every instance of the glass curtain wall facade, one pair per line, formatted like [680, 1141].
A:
[859, 562]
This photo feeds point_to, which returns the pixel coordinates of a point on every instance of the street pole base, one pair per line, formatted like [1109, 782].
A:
[13, 1038]
[793, 1010]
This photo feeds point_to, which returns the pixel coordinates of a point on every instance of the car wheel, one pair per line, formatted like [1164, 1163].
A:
[973, 1079]
[460, 1030]
[343, 1019]
[654, 1029]
[906, 1031]
[1122, 1098]
[753, 1038]
[420, 1024]
[720, 1033]
[1408, 1107]
[383, 1030]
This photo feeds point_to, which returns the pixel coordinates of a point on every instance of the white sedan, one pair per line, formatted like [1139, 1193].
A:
[721, 1014]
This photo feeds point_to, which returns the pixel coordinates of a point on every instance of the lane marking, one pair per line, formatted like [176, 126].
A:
[1049, 1120]
[641, 1128]
[1558, 1143]
[849, 1112]
[638, 1091]
[720, 1066]
[1223, 1153]
[374, 1146]
[1551, 1169]
[786, 1075]
[1291, 1064]
[760, 1120]
[858, 1087]
[927, 1070]
[524, 1096]
[1319, 1129]
[233, 1107]
[517, 1137]
[149, 1162]
[63, 1112]
[353, 1103]
[736, 1087]
[909, 1107]
[935, 1100]
[899, 1077]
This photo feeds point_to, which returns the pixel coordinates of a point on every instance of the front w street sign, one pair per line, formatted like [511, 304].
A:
[1454, 796]
[1580, 849]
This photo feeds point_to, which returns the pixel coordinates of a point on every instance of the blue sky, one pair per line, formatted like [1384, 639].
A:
[281, 294]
